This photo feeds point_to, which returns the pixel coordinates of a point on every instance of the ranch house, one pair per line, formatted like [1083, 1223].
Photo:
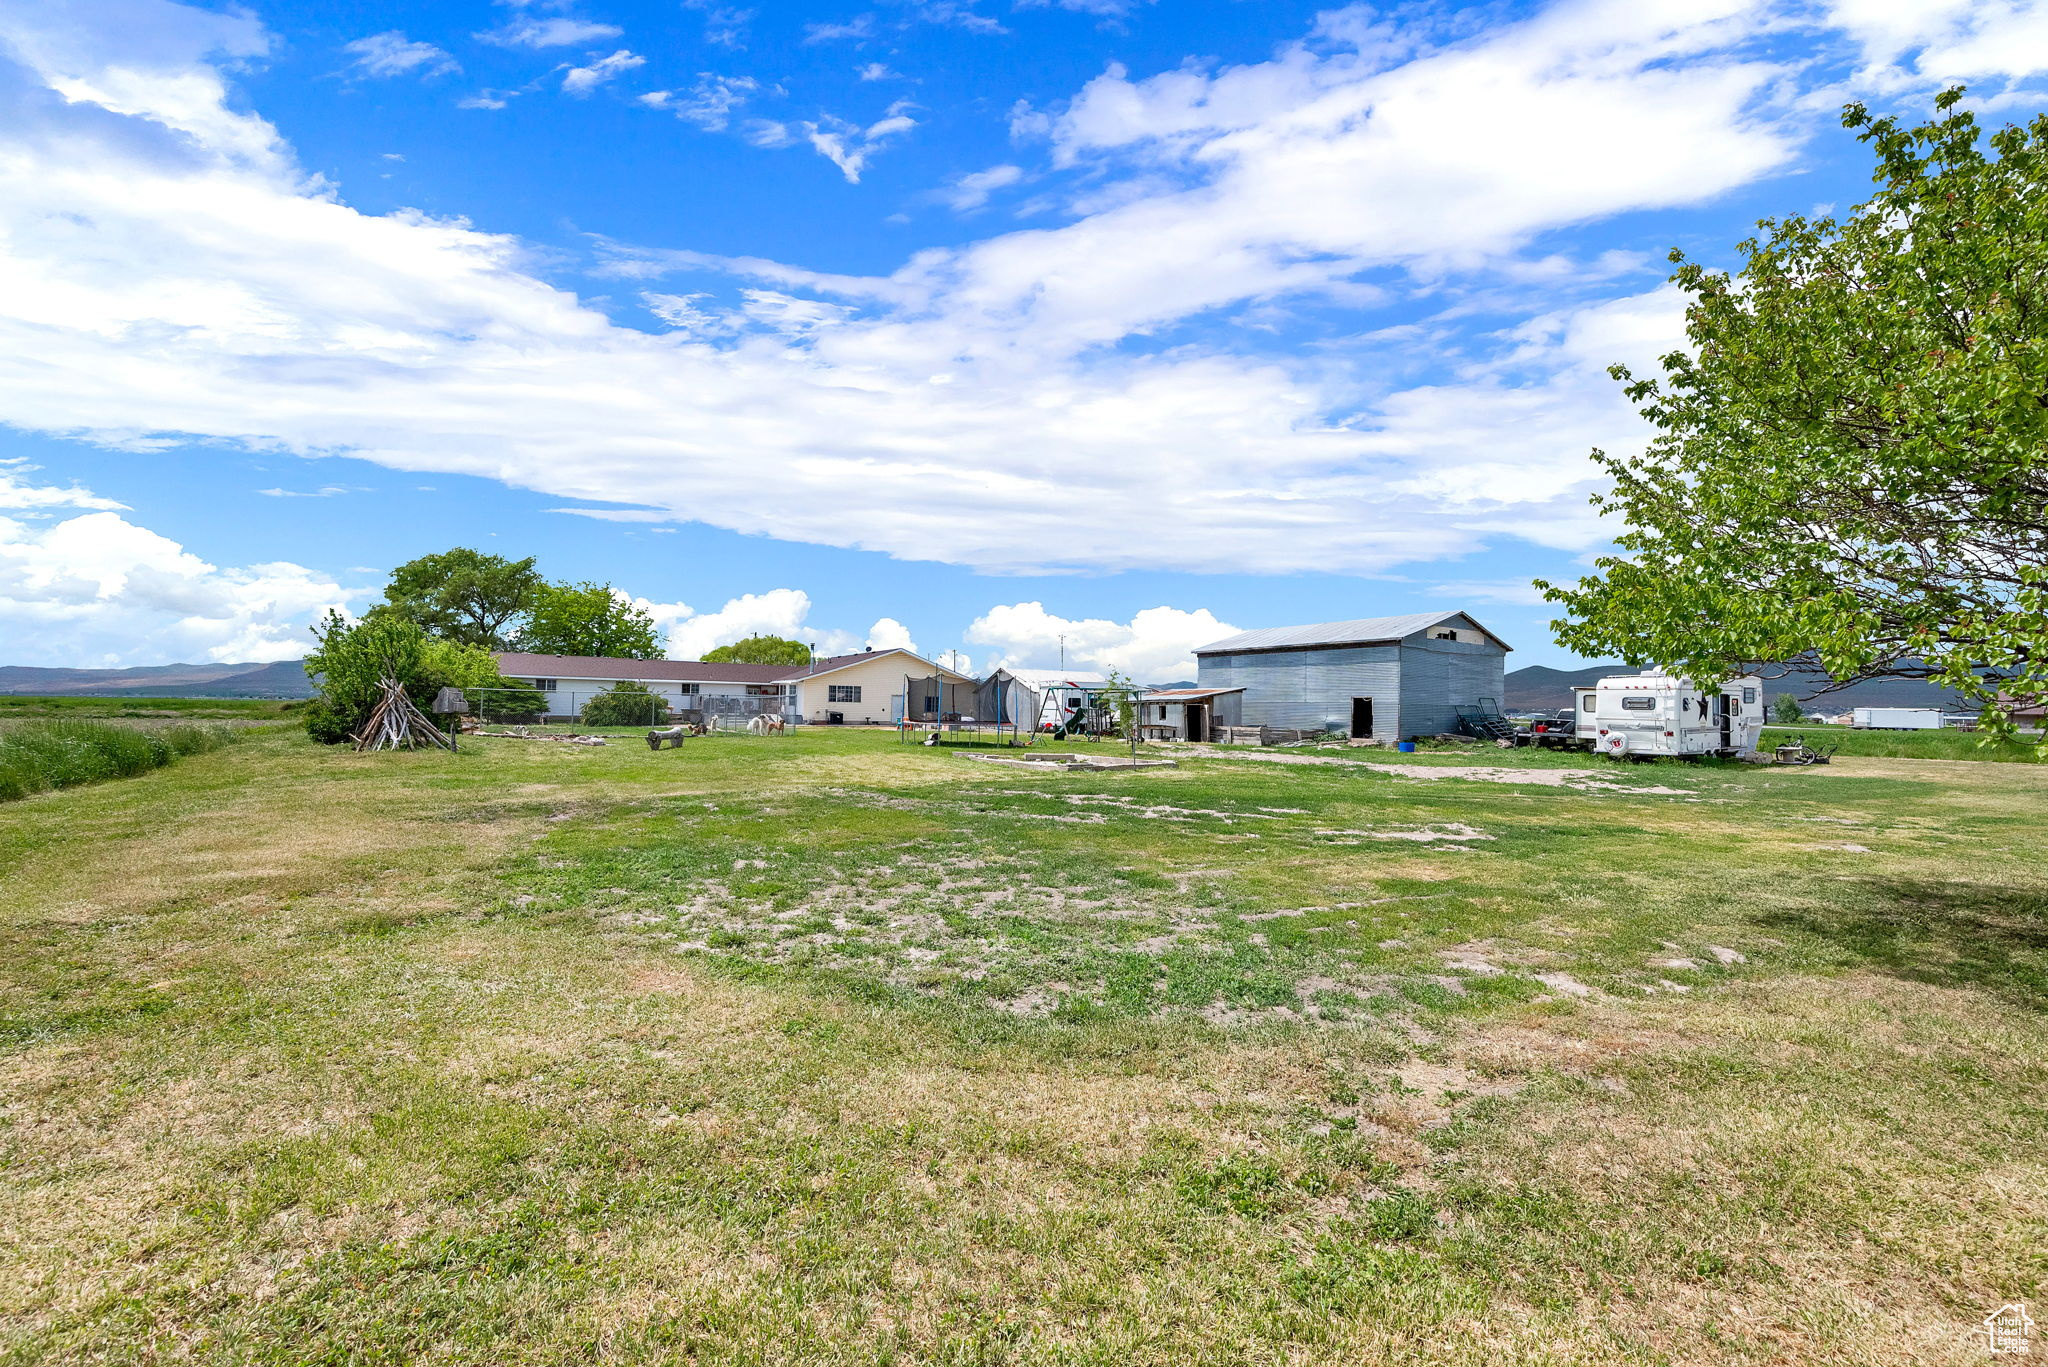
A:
[863, 687]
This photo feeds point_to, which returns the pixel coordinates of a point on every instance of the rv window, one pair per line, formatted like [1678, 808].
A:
[1734, 707]
[1639, 704]
[1749, 695]
[1590, 700]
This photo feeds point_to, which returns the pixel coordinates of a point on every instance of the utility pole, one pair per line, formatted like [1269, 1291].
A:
[1063, 654]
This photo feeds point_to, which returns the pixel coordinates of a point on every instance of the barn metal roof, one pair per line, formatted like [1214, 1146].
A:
[1358, 631]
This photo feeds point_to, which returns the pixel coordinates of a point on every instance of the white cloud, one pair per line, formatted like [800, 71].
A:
[1156, 645]
[1510, 592]
[710, 103]
[1021, 403]
[96, 588]
[555, 31]
[848, 146]
[1109, 9]
[581, 80]
[1942, 40]
[857, 29]
[723, 26]
[778, 612]
[971, 191]
[889, 634]
[17, 494]
[392, 54]
[877, 71]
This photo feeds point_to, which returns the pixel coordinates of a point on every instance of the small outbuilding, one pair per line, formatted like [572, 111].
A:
[1187, 713]
[1383, 677]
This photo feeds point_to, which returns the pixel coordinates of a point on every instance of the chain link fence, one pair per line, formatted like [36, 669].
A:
[600, 709]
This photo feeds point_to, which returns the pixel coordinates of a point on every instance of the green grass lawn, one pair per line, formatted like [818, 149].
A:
[14, 705]
[1944, 744]
[827, 1049]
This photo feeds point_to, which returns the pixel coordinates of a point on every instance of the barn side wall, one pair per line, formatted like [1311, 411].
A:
[1438, 676]
[1309, 690]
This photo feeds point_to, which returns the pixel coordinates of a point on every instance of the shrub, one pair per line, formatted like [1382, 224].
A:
[329, 725]
[624, 704]
[39, 756]
[352, 660]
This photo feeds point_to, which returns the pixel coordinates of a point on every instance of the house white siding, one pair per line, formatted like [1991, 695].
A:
[879, 680]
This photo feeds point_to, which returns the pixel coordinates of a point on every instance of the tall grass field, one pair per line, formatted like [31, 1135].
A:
[38, 756]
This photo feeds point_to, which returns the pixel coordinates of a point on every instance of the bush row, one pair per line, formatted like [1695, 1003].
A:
[38, 756]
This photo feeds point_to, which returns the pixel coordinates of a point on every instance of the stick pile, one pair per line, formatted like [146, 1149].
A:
[396, 723]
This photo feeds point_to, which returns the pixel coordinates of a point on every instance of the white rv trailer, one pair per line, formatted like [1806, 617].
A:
[1895, 718]
[1652, 713]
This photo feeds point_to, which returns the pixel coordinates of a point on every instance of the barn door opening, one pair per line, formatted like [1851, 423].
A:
[1198, 722]
[1361, 718]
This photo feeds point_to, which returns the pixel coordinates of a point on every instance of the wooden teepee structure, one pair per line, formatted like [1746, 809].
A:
[397, 724]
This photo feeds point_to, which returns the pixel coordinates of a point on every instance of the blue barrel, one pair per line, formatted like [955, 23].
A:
[1406, 747]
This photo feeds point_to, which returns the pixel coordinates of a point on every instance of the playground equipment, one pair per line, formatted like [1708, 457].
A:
[937, 706]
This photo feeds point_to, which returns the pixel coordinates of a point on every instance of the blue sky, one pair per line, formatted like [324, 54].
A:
[961, 323]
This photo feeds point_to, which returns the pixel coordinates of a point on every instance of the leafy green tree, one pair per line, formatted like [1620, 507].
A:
[762, 650]
[463, 595]
[589, 619]
[474, 670]
[1852, 455]
[1788, 711]
[625, 703]
[350, 665]
[1118, 698]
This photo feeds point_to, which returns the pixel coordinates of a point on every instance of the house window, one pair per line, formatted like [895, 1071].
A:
[842, 692]
[1162, 712]
[687, 690]
[764, 690]
[547, 685]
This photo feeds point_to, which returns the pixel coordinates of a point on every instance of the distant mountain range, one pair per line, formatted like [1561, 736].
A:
[248, 679]
[1540, 688]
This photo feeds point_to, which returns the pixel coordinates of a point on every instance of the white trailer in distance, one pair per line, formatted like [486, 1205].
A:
[1628, 716]
[1895, 718]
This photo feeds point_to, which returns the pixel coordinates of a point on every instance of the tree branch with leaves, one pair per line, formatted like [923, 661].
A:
[1851, 457]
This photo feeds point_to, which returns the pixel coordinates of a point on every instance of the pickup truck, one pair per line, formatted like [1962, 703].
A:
[1559, 728]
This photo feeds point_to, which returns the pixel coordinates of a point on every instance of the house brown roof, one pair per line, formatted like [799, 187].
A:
[517, 665]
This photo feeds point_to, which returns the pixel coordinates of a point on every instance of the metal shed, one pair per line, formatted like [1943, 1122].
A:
[1385, 677]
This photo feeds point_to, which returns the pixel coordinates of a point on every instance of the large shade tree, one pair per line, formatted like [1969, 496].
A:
[1851, 458]
[589, 619]
[463, 595]
[762, 650]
